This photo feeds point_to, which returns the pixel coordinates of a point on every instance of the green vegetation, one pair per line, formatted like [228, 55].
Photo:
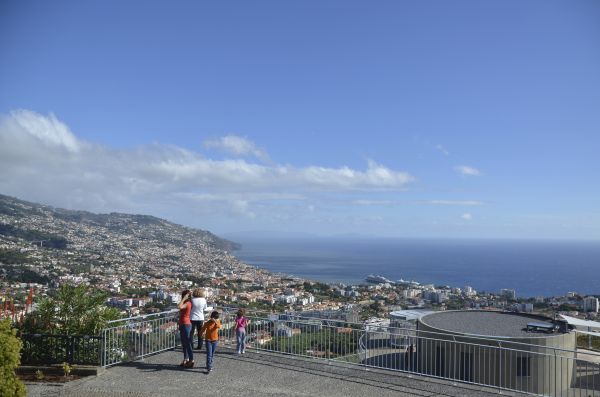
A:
[71, 311]
[67, 369]
[200, 281]
[323, 291]
[39, 374]
[457, 304]
[77, 268]
[316, 287]
[374, 309]
[11, 257]
[10, 347]
[583, 342]
[277, 307]
[567, 307]
[49, 240]
[22, 274]
[326, 342]
[350, 358]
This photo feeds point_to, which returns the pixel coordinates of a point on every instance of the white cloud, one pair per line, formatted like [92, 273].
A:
[442, 149]
[27, 133]
[42, 160]
[466, 203]
[237, 145]
[467, 171]
[467, 217]
[375, 202]
[376, 176]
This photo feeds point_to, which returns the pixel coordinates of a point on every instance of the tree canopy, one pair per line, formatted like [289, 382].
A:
[73, 310]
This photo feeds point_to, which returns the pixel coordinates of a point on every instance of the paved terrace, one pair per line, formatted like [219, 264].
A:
[253, 374]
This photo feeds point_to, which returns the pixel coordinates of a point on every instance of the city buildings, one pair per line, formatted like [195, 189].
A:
[590, 304]
[508, 293]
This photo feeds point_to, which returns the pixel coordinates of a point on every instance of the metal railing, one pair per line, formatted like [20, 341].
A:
[150, 316]
[58, 349]
[504, 365]
[588, 341]
[134, 338]
[501, 364]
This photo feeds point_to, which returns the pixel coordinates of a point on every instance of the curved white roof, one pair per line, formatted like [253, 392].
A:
[410, 314]
[579, 323]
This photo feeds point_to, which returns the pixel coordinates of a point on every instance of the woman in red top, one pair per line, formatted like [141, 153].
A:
[185, 328]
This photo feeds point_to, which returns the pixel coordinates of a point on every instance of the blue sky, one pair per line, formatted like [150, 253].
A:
[391, 118]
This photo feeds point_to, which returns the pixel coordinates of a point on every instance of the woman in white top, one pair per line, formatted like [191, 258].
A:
[197, 315]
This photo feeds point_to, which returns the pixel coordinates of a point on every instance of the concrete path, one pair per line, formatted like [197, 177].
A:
[253, 374]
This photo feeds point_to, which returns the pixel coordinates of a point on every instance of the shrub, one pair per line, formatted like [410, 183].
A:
[67, 369]
[10, 350]
[74, 310]
[39, 374]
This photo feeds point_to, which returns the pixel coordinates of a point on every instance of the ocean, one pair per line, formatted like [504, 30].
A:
[532, 268]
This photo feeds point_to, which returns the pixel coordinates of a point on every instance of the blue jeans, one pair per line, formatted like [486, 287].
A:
[185, 330]
[211, 346]
[197, 326]
[241, 340]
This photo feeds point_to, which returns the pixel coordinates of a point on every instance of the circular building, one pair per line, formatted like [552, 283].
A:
[504, 349]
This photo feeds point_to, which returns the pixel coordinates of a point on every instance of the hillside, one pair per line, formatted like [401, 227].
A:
[39, 242]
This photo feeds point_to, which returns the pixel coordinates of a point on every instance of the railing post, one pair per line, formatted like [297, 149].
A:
[366, 349]
[555, 380]
[69, 349]
[142, 340]
[328, 344]
[101, 348]
[500, 351]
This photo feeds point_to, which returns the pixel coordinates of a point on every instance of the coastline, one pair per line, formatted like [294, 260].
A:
[531, 268]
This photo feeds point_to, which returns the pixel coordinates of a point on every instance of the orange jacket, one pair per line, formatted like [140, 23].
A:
[211, 327]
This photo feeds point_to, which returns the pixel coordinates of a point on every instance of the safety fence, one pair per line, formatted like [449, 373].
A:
[504, 365]
[137, 337]
[57, 349]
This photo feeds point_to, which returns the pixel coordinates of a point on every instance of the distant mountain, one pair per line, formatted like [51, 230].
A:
[17, 209]
[38, 234]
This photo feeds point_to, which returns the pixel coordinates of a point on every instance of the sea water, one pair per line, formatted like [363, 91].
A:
[531, 267]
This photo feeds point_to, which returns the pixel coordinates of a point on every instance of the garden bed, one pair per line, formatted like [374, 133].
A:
[48, 378]
[55, 373]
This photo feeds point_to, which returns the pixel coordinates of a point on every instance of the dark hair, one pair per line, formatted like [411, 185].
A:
[184, 293]
[214, 315]
[240, 313]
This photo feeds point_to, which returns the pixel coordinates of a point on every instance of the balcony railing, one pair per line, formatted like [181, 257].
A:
[58, 349]
[137, 337]
[534, 369]
[504, 365]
